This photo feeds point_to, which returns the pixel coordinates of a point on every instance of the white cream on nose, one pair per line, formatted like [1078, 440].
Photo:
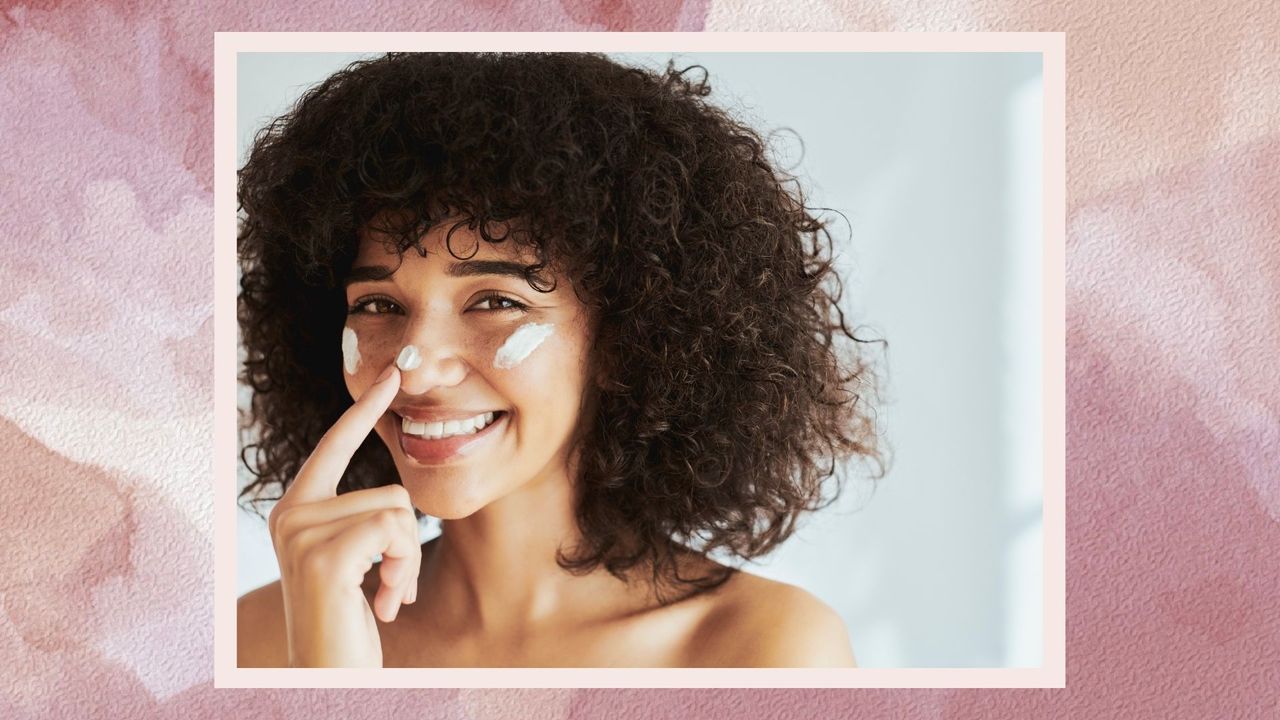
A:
[350, 351]
[409, 358]
[522, 342]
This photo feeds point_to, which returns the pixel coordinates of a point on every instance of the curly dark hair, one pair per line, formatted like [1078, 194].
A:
[726, 400]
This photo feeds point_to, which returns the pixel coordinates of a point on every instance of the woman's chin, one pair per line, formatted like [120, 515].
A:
[445, 515]
[436, 494]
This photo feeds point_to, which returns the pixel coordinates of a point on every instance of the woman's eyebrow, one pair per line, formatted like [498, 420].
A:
[367, 273]
[467, 268]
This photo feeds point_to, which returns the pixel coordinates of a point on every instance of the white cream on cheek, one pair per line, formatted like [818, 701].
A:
[350, 351]
[522, 342]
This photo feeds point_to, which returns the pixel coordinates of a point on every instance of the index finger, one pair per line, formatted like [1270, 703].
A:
[318, 478]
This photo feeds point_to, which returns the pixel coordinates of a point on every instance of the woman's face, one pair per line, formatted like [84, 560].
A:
[486, 343]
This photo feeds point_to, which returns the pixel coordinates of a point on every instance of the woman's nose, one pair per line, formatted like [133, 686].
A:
[426, 363]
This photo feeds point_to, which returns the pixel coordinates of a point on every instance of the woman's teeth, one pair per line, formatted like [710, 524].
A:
[437, 430]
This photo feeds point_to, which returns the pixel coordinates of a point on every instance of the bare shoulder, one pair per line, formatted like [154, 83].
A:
[757, 622]
[260, 633]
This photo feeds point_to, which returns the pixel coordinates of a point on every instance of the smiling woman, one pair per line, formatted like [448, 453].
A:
[569, 308]
[479, 413]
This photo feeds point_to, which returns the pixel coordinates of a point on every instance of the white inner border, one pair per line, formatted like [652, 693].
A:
[1052, 672]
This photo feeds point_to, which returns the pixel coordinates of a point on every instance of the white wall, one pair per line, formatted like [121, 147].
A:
[935, 161]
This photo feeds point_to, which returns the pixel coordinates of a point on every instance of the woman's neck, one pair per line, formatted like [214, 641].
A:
[496, 570]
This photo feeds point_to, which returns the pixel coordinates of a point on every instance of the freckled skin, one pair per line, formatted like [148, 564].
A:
[457, 332]
[517, 347]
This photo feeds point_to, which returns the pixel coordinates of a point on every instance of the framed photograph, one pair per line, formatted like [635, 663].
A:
[651, 360]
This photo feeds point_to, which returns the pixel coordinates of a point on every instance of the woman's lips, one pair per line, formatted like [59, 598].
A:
[436, 452]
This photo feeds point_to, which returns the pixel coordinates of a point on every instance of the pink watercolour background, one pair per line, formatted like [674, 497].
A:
[1173, 329]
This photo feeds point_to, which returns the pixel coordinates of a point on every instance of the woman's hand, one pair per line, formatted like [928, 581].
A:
[325, 544]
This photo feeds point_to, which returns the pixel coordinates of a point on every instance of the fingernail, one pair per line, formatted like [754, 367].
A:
[385, 374]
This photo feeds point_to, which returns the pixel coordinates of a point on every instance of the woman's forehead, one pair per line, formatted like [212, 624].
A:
[377, 247]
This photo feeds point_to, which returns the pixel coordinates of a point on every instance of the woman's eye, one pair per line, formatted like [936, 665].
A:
[372, 306]
[499, 303]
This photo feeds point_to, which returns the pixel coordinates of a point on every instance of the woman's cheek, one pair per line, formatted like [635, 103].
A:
[350, 350]
[522, 344]
[545, 360]
[364, 355]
